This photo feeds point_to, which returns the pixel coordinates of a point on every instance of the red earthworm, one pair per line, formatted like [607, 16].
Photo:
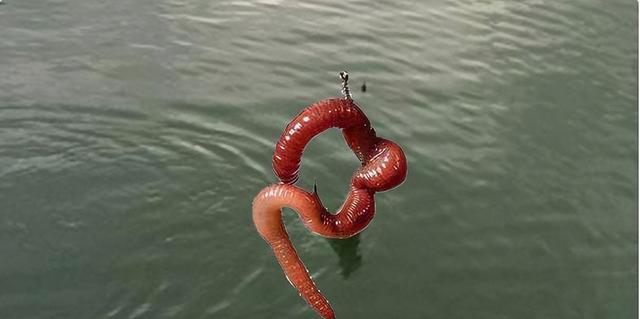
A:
[384, 167]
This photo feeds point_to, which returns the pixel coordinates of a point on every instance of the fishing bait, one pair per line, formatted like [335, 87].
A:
[384, 167]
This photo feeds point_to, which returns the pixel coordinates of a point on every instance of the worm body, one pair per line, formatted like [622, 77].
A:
[384, 166]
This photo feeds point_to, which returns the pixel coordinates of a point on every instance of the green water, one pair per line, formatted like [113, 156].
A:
[134, 135]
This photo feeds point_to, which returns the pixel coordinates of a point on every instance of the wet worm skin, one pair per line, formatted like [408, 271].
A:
[384, 167]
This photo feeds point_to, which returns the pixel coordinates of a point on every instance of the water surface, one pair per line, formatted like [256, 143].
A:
[133, 137]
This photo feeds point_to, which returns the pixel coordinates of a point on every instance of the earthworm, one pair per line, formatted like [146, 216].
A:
[383, 167]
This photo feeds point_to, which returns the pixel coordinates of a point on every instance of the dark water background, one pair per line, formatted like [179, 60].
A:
[134, 135]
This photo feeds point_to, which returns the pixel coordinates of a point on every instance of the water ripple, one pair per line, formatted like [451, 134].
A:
[133, 136]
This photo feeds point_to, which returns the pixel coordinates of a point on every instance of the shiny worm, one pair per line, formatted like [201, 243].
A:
[383, 167]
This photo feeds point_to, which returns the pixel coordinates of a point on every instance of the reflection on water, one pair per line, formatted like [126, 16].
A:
[348, 253]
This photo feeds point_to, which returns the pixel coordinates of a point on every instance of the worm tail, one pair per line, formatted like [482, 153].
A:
[298, 276]
[267, 216]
